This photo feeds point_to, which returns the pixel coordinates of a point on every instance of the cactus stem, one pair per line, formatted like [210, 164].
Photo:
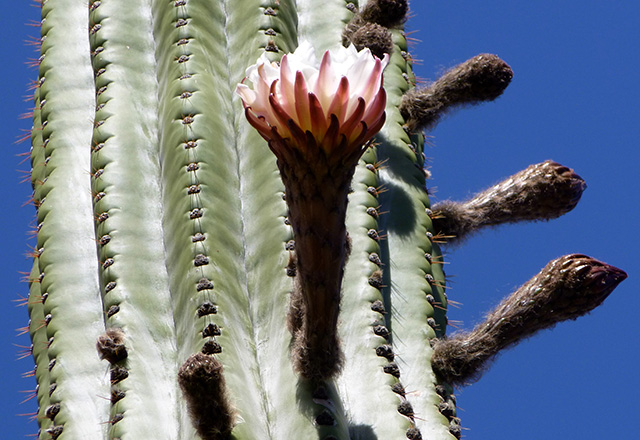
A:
[317, 212]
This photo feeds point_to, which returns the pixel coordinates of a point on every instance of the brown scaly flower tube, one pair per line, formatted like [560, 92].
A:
[317, 119]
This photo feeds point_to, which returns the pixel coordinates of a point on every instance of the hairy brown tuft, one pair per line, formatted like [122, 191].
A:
[388, 13]
[377, 38]
[202, 382]
[295, 313]
[363, 34]
[316, 355]
[111, 346]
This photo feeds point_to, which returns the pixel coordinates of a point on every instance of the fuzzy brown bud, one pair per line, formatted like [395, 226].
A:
[566, 288]
[482, 78]
[388, 13]
[540, 192]
[370, 35]
[202, 382]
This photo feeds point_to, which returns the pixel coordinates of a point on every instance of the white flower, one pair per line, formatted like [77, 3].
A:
[338, 104]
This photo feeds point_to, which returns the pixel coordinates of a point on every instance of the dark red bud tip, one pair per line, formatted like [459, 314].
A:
[582, 284]
[575, 185]
[603, 277]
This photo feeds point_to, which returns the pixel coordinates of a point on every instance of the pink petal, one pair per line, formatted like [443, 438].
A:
[330, 140]
[318, 120]
[376, 126]
[260, 85]
[373, 82]
[325, 85]
[360, 72]
[354, 119]
[296, 132]
[302, 102]
[357, 137]
[338, 106]
[247, 95]
[281, 115]
[376, 107]
[258, 122]
[287, 86]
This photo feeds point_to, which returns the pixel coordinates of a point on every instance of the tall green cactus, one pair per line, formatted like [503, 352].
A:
[164, 237]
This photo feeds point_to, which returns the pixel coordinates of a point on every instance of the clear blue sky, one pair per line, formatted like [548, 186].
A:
[574, 98]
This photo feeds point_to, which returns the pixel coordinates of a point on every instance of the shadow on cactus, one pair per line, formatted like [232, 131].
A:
[235, 293]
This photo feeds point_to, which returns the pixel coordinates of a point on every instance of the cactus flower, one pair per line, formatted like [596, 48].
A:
[317, 119]
[338, 104]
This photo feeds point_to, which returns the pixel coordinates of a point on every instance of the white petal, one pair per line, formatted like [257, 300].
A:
[305, 54]
[248, 96]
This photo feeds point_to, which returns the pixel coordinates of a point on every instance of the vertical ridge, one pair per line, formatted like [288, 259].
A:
[68, 267]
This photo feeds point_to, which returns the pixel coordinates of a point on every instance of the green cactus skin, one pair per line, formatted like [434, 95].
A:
[162, 227]
[68, 265]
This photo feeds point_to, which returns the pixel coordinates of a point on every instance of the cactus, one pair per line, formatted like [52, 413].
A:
[166, 297]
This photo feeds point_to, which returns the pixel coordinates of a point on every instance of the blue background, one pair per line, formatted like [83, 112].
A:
[574, 99]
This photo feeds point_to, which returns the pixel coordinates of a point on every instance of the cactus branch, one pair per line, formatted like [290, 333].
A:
[482, 78]
[540, 192]
[567, 288]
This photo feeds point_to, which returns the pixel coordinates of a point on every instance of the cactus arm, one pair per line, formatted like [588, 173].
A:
[133, 274]
[197, 220]
[370, 377]
[67, 264]
[479, 79]
[189, 76]
[566, 288]
[365, 385]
